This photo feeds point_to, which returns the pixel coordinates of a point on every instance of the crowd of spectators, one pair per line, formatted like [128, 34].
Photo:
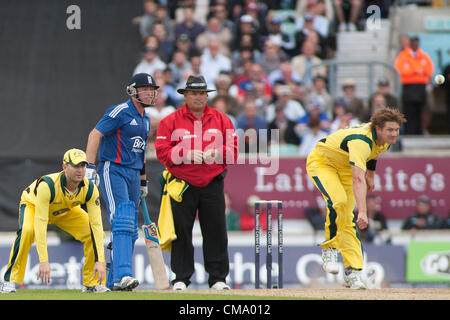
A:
[262, 73]
[263, 79]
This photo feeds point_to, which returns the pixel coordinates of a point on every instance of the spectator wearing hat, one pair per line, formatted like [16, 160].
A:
[150, 61]
[384, 89]
[354, 104]
[422, 218]
[200, 159]
[415, 68]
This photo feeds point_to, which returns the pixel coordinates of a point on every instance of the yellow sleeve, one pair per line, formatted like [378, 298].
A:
[41, 220]
[95, 222]
[358, 151]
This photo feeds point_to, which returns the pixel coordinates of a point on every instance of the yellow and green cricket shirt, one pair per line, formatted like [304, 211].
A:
[52, 202]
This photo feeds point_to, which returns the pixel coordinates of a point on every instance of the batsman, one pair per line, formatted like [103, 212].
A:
[56, 199]
[120, 140]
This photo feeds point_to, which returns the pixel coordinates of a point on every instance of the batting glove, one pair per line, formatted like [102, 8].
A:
[144, 189]
[92, 175]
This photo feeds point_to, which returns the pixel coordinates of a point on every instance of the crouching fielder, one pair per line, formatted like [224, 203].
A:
[342, 167]
[56, 199]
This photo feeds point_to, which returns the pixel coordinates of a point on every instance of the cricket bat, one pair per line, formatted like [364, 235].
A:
[154, 250]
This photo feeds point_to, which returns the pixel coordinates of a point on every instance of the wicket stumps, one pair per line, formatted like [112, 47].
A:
[270, 206]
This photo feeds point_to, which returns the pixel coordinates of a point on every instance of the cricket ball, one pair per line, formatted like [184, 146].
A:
[439, 79]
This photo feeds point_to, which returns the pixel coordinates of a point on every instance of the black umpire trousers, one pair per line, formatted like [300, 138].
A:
[209, 202]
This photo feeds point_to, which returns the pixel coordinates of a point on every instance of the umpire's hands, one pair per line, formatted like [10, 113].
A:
[195, 156]
[91, 174]
[211, 155]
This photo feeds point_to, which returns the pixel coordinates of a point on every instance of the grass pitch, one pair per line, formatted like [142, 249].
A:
[61, 294]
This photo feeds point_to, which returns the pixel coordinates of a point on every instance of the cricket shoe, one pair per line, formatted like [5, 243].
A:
[95, 289]
[179, 286]
[352, 279]
[220, 285]
[127, 283]
[8, 287]
[330, 260]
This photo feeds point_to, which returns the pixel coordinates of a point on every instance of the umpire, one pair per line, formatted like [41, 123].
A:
[195, 143]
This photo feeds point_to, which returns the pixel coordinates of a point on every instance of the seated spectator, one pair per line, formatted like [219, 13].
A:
[354, 104]
[384, 89]
[166, 45]
[227, 91]
[148, 18]
[377, 220]
[213, 62]
[167, 86]
[184, 44]
[247, 218]
[311, 135]
[323, 7]
[271, 57]
[284, 75]
[250, 123]
[231, 216]
[245, 54]
[319, 91]
[219, 10]
[314, 110]
[322, 49]
[189, 25]
[286, 41]
[246, 26]
[304, 62]
[216, 32]
[341, 117]
[286, 127]
[378, 101]
[163, 17]
[312, 20]
[422, 218]
[293, 110]
[354, 6]
[179, 65]
[220, 103]
[150, 62]
[248, 81]
[198, 11]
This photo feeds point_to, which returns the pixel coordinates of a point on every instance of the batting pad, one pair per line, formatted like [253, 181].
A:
[123, 229]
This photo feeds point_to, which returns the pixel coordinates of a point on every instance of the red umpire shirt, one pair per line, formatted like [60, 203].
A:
[181, 131]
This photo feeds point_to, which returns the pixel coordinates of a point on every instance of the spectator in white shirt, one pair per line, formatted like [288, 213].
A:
[212, 61]
[150, 62]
